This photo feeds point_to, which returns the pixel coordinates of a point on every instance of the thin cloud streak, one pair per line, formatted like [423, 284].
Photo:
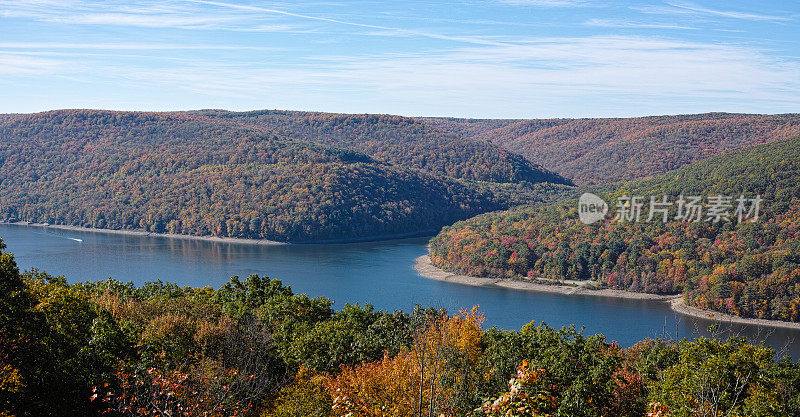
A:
[692, 8]
[181, 18]
[144, 20]
[626, 24]
[546, 3]
[130, 46]
[465, 39]
[169, 14]
[16, 65]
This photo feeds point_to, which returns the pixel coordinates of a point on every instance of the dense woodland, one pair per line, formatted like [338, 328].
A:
[254, 348]
[270, 175]
[401, 141]
[303, 177]
[599, 151]
[749, 269]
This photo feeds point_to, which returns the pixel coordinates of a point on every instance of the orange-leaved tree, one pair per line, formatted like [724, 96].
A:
[436, 376]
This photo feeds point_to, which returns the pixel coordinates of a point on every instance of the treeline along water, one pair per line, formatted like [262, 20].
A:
[379, 273]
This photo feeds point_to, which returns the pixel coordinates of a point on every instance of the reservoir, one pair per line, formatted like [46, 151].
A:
[379, 273]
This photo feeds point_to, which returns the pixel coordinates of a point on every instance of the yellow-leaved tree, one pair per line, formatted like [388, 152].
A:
[435, 377]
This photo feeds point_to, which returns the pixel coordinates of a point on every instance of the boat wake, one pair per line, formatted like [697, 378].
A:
[45, 232]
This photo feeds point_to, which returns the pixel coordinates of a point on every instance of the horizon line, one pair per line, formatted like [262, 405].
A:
[394, 114]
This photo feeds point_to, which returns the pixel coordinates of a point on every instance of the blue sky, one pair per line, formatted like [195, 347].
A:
[493, 58]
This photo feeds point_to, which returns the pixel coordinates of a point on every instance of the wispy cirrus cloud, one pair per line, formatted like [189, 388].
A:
[144, 20]
[166, 14]
[206, 15]
[17, 65]
[365, 58]
[546, 76]
[121, 46]
[546, 3]
[385, 30]
[729, 13]
[630, 24]
[686, 8]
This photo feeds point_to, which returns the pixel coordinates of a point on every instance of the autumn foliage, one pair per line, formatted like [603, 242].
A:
[747, 268]
[607, 150]
[262, 175]
[254, 348]
[429, 378]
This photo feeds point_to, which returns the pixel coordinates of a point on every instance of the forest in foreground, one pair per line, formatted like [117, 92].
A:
[744, 268]
[255, 348]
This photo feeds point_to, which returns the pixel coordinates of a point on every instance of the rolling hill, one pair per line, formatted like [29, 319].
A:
[299, 177]
[601, 151]
[399, 140]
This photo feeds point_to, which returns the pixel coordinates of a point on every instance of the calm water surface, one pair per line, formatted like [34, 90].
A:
[379, 273]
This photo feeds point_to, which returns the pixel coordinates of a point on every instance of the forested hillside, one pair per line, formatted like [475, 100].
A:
[597, 151]
[750, 269]
[253, 347]
[399, 140]
[223, 174]
[302, 176]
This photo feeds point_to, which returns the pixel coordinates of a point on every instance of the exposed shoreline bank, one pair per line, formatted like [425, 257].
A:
[679, 306]
[148, 234]
[263, 242]
[426, 269]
